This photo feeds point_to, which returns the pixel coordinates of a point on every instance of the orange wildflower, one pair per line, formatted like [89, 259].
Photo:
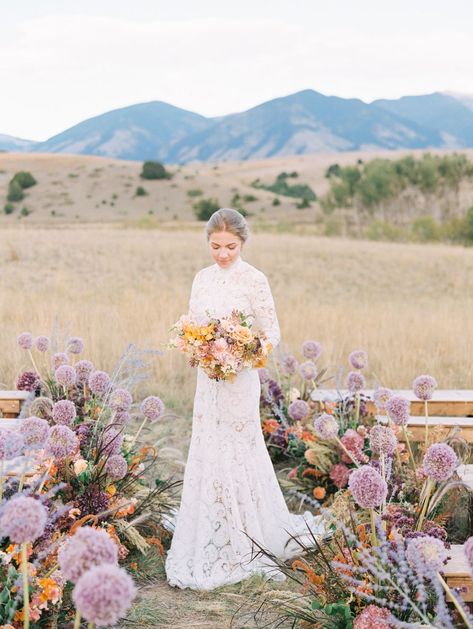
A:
[319, 493]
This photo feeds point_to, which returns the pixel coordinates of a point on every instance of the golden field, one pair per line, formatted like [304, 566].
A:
[409, 306]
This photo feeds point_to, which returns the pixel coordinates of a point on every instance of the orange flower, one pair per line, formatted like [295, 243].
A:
[308, 436]
[319, 493]
[270, 426]
[310, 471]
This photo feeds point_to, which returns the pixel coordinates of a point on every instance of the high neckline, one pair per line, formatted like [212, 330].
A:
[232, 266]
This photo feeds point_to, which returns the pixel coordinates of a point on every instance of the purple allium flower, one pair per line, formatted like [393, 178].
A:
[23, 519]
[373, 617]
[64, 412]
[58, 359]
[152, 408]
[25, 340]
[28, 381]
[311, 349]
[368, 487]
[381, 396]
[398, 408]
[120, 400]
[326, 426]
[83, 433]
[382, 440]
[424, 387]
[99, 381]
[42, 343]
[35, 432]
[440, 461]
[75, 345]
[339, 474]
[65, 375]
[298, 409]
[468, 550]
[121, 418]
[88, 547]
[62, 441]
[358, 359]
[83, 370]
[426, 554]
[308, 370]
[12, 444]
[93, 501]
[355, 381]
[111, 442]
[289, 364]
[274, 391]
[264, 375]
[104, 594]
[116, 467]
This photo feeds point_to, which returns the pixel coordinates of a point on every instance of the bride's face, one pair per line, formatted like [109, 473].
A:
[225, 248]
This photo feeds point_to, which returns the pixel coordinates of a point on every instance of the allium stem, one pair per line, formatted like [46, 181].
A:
[428, 491]
[357, 409]
[77, 620]
[426, 413]
[26, 601]
[349, 454]
[374, 541]
[450, 596]
[138, 433]
[1, 480]
[40, 489]
[34, 364]
[411, 455]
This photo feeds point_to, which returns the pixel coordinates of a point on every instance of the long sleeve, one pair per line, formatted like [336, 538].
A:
[192, 300]
[264, 310]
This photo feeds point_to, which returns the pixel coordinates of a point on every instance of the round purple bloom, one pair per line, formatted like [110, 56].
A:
[308, 370]
[298, 409]
[426, 554]
[120, 400]
[88, 547]
[440, 461]
[121, 418]
[398, 409]
[381, 397]
[424, 387]
[75, 345]
[99, 381]
[326, 426]
[83, 370]
[382, 440]
[264, 375]
[35, 432]
[65, 375]
[358, 359]
[28, 381]
[368, 487]
[289, 364]
[83, 431]
[104, 594]
[62, 441]
[25, 340]
[355, 381]
[64, 412]
[11, 444]
[468, 550]
[116, 467]
[58, 359]
[23, 519]
[152, 408]
[42, 343]
[311, 349]
[111, 441]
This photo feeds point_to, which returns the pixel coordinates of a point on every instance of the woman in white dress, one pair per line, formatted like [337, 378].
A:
[230, 491]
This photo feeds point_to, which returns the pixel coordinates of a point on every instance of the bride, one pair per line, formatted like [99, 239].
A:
[230, 491]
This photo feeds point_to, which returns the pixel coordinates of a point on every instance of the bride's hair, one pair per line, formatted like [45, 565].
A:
[228, 220]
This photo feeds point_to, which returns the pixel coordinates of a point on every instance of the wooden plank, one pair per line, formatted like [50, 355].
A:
[457, 572]
[10, 403]
[438, 426]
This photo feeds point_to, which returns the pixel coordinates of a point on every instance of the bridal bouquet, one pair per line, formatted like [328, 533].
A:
[221, 347]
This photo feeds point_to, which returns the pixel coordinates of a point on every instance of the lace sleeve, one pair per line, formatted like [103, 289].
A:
[264, 310]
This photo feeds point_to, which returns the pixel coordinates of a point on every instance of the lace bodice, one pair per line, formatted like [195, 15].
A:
[218, 291]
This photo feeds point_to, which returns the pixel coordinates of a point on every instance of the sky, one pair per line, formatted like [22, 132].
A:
[62, 62]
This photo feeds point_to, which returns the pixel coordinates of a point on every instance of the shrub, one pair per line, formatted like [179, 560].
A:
[9, 208]
[140, 192]
[205, 208]
[15, 191]
[194, 192]
[24, 179]
[303, 204]
[276, 201]
[154, 170]
[249, 198]
[25, 211]
[382, 230]
[425, 229]
[280, 186]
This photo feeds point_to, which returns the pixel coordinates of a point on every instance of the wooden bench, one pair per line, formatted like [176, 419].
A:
[10, 403]
[457, 572]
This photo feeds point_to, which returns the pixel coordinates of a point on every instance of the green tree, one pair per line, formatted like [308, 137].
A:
[25, 179]
[154, 170]
[15, 191]
[9, 208]
[205, 208]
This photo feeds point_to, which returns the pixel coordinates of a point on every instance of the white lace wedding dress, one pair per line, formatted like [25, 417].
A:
[230, 490]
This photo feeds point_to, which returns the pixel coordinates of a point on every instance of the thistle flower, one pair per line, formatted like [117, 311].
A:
[152, 408]
[11, 444]
[339, 475]
[93, 501]
[64, 412]
[121, 418]
[326, 426]
[308, 370]
[35, 432]
[468, 550]
[424, 387]
[42, 407]
[398, 408]
[23, 519]
[116, 467]
[75, 345]
[25, 340]
[99, 381]
[382, 440]
[28, 381]
[368, 487]
[355, 381]
[42, 343]
[58, 359]
[120, 400]
[289, 364]
[83, 370]
[426, 554]
[381, 396]
[373, 617]
[311, 349]
[440, 461]
[65, 375]
[298, 409]
[62, 441]
[88, 547]
[358, 359]
[111, 442]
[264, 375]
[104, 594]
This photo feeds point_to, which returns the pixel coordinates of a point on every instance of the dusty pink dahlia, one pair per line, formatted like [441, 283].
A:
[62, 441]
[368, 487]
[64, 412]
[440, 461]
[75, 345]
[120, 400]
[35, 432]
[308, 370]
[25, 340]
[424, 387]
[398, 409]
[298, 409]
[339, 475]
[42, 343]
[311, 349]
[358, 359]
[382, 440]
[326, 426]
[99, 382]
[23, 519]
[355, 381]
[152, 408]
[88, 547]
[353, 442]
[373, 617]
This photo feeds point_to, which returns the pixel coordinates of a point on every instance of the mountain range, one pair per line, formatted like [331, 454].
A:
[304, 122]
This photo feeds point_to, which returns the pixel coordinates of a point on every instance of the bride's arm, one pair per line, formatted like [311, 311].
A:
[264, 310]
[193, 297]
